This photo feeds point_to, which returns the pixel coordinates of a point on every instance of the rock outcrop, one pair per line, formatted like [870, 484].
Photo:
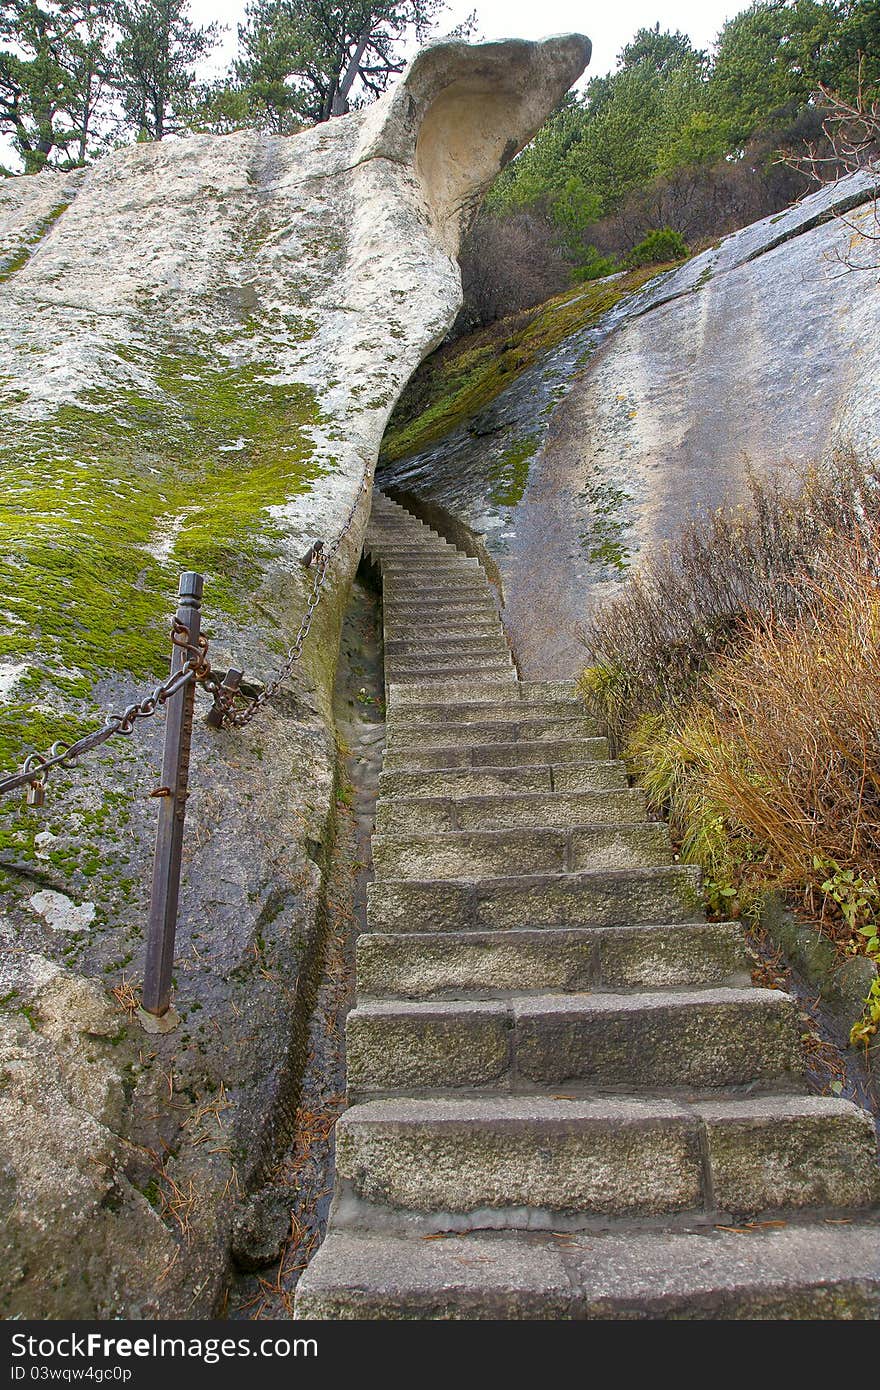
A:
[758, 354]
[200, 343]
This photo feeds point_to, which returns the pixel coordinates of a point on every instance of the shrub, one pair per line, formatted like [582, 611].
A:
[740, 676]
[659, 246]
[509, 262]
[651, 647]
[593, 266]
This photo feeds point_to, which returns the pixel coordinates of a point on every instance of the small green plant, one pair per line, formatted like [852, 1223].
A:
[867, 1026]
[661, 245]
[856, 896]
[594, 266]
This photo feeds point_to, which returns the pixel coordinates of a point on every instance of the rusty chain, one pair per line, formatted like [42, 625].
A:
[320, 556]
[37, 766]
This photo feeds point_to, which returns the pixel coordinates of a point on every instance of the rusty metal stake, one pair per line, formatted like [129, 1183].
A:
[156, 995]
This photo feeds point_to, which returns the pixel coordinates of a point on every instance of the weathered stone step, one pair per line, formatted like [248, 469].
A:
[431, 606]
[466, 691]
[549, 750]
[674, 1040]
[407, 565]
[434, 583]
[483, 711]
[486, 853]
[461, 624]
[526, 1161]
[462, 605]
[798, 1272]
[612, 898]
[434, 965]
[484, 666]
[468, 654]
[432, 572]
[595, 775]
[521, 729]
[395, 537]
[422, 814]
[491, 641]
[488, 667]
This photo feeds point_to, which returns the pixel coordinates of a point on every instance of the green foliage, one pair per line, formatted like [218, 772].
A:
[659, 246]
[154, 63]
[669, 108]
[591, 265]
[769, 59]
[868, 1025]
[308, 60]
[53, 63]
[857, 897]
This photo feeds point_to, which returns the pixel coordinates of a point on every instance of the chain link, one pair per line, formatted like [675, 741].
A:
[37, 766]
[321, 557]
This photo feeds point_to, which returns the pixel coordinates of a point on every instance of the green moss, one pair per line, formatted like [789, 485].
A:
[102, 504]
[463, 377]
[12, 264]
[603, 537]
[509, 474]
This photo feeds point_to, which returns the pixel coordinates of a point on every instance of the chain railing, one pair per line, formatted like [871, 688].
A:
[190, 666]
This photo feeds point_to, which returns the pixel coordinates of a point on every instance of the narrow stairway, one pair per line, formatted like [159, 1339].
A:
[566, 1098]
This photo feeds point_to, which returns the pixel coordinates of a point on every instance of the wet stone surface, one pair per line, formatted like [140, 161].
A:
[283, 1224]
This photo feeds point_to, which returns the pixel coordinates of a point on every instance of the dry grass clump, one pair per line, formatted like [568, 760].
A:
[650, 648]
[740, 676]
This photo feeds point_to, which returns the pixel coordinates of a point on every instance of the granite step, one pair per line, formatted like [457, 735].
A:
[609, 898]
[672, 1040]
[475, 854]
[596, 775]
[436, 813]
[509, 755]
[806, 1271]
[543, 1161]
[515, 729]
[569, 960]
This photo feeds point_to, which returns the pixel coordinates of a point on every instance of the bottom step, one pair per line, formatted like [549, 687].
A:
[817, 1271]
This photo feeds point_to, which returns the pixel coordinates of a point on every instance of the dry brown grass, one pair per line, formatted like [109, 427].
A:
[794, 718]
[740, 675]
[726, 576]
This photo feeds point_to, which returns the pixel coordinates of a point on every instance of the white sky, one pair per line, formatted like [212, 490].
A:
[610, 26]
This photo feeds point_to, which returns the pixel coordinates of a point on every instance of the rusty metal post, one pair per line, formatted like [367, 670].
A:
[156, 995]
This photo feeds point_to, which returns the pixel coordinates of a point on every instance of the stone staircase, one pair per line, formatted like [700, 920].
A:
[566, 1098]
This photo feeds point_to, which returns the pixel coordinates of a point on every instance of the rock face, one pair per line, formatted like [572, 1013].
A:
[757, 354]
[200, 343]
